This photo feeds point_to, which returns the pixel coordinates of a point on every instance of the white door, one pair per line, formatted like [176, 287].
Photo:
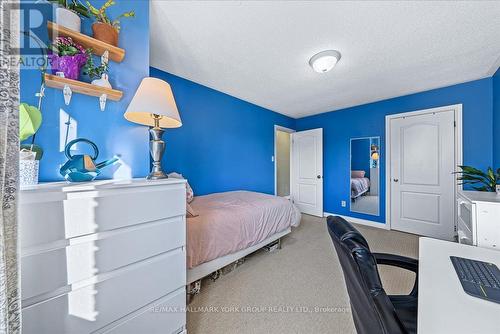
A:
[307, 171]
[422, 151]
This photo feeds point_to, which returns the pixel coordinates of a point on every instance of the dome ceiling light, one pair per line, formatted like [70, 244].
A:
[324, 61]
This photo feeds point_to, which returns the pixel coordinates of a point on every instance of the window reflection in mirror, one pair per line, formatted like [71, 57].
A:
[365, 185]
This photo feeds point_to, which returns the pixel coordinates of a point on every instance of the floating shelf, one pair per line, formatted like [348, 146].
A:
[54, 81]
[98, 47]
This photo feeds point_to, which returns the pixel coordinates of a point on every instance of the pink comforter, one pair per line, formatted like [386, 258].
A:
[231, 221]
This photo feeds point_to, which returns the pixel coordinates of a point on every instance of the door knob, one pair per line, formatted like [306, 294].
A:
[395, 180]
[319, 176]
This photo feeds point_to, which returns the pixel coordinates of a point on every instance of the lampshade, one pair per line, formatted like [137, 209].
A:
[154, 96]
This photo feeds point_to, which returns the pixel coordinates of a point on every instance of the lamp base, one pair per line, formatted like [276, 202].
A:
[157, 176]
[156, 148]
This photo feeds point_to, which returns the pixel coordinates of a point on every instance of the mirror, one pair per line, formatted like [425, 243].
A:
[365, 186]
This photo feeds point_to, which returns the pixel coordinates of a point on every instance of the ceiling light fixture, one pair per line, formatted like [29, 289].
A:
[324, 61]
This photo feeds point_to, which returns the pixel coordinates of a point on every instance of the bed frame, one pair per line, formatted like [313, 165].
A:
[205, 269]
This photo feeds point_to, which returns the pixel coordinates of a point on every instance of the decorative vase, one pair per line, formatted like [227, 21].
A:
[68, 19]
[102, 82]
[69, 65]
[105, 33]
[28, 172]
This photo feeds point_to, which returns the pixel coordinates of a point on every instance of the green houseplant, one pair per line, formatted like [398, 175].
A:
[105, 29]
[68, 13]
[98, 74]
[479, 180]
[30, 119]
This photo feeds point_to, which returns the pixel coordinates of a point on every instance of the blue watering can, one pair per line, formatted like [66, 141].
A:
[82, 167]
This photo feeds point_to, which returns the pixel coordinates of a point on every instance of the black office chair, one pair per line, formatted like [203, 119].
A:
[372, 309]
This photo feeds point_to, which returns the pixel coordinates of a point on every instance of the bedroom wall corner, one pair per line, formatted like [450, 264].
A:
[369, 120]
[108, 129]
[224, 143]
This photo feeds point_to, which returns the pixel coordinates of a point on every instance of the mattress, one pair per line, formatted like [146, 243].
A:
[231, 221]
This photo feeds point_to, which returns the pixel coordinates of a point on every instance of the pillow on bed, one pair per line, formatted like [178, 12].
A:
[189, 190]
[357, 174]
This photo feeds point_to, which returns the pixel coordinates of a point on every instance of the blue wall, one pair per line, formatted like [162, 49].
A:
[224, 143]
[496, 116]
[109, 130]
[369, 120]
[360, 155]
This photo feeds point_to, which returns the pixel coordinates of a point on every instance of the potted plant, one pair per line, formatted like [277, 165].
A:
[67, 57]
[30, 119]
[105, 29]
[68, 13]
[479, 180]
[98, 74]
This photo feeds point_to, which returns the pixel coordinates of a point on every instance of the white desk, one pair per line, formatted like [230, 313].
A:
[443, 306]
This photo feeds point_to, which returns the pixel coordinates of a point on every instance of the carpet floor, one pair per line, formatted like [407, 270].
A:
[298, 289]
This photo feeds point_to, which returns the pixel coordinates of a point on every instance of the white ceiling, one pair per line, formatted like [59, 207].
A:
[258, 51]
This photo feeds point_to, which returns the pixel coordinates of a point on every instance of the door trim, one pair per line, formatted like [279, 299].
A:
[284, 129]
[457, 109]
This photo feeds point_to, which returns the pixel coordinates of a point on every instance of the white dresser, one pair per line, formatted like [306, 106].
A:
[479, 219]
[103, 257]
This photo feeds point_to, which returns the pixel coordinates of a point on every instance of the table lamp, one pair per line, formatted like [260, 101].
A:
[154, 105]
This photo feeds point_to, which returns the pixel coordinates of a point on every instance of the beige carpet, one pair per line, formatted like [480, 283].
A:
[298, 289]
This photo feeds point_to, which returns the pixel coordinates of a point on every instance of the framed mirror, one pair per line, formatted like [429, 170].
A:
[365, 185]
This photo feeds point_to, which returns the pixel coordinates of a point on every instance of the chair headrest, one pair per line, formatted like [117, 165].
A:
[343, 230]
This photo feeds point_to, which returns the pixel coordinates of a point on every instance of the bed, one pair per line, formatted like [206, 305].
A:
[231, 225]
[359, 186]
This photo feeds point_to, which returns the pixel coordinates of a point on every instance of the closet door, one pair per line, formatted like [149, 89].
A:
[422, 151]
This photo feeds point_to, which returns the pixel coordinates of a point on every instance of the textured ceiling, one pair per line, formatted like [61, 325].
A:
[259, 50]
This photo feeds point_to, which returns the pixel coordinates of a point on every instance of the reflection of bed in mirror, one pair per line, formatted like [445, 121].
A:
[359, 184]
[364, 181]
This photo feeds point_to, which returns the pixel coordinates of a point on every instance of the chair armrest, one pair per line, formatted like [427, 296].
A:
[401, 262]
[397, 261]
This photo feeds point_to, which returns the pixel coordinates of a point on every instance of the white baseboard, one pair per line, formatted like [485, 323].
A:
[360, 221]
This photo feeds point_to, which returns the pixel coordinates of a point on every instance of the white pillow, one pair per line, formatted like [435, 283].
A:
[189, 190]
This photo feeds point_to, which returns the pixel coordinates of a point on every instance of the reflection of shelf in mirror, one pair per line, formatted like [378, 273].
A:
[54, 81]
[98, 47]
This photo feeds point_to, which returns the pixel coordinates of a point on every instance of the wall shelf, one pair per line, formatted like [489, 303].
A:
[98, 47]
[54, 81]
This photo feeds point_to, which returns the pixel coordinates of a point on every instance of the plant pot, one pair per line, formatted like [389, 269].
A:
[68, 19]
[102, 82]
[69, 65]
[105, 33]
[28, 172]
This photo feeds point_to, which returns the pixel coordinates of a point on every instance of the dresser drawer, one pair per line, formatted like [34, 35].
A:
[84, 257]
[165, 317]
[108, 297]
[73, 214]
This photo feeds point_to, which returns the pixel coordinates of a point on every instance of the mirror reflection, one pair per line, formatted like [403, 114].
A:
[365, 156]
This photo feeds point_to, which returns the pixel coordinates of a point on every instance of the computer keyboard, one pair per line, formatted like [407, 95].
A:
[479, 279]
